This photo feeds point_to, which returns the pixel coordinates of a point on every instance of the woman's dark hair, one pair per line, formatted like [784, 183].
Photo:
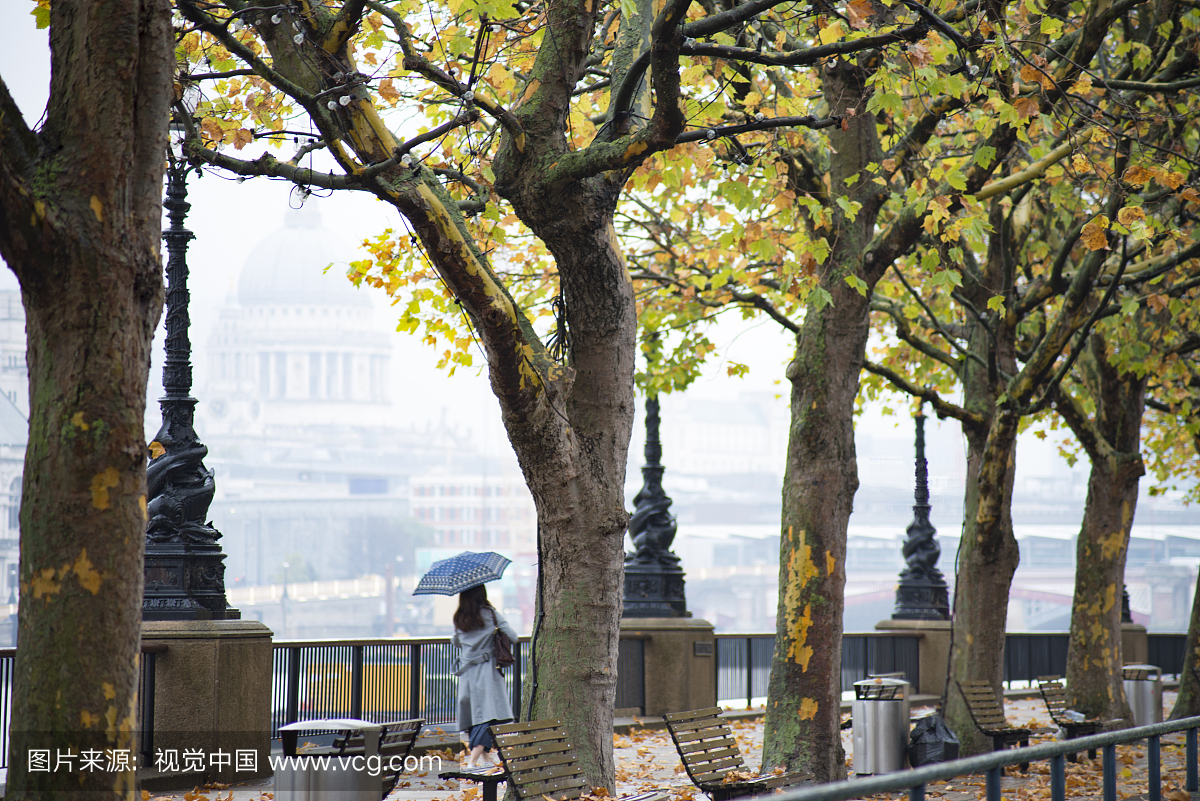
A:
[470, 602]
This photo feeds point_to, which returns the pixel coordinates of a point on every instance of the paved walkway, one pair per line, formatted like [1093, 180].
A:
[646, 759]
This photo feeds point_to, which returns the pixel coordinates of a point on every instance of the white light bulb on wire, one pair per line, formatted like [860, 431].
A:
[710, 134]
[344, 100]
[276, 19]
[332, 105]
[298, 38]
[468, 96]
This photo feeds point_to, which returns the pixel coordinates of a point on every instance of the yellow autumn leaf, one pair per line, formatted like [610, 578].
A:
[387, 90]
[859, 11]
[1093, 237]
[241, 138]
[1130, 214]
[1137, 175]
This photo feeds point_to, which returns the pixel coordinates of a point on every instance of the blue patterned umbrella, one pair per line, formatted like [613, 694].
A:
[468, 569]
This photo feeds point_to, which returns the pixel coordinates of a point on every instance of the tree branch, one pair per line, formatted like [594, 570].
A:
[421, 65]
[942, 407]
[19, 147]
[214, 27]
[348, 18]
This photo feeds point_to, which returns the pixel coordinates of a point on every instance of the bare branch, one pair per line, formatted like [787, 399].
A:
[942, 407]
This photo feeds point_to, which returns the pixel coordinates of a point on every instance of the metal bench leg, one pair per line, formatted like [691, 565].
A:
[1024, 766]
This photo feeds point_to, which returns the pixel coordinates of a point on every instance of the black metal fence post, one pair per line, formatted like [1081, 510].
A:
[414, 680]
[1058, 778]
[993, 783]
[518, 667]
[749, 672]
[1192, 784]
[292, 702]
[356, 681]
[1154, 768]
[148, 708]
[1109, 758]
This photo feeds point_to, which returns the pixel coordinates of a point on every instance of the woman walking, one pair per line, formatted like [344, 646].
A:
[482, 696]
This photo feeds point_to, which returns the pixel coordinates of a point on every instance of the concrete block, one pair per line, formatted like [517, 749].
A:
[680, 662]
[213, 695]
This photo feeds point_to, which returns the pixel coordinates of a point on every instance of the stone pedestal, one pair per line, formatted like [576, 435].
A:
[933, 651]
[212, 695]
[680, 662]
[1135, 645]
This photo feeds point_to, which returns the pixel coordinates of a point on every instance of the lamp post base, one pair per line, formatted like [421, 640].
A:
[186, 583]
[654, 590]
[921, 599]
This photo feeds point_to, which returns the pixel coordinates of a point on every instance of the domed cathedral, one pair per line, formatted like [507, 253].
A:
[299, 345]
[312, 459]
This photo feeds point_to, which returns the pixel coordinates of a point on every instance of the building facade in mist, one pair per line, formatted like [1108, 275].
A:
[316, 464]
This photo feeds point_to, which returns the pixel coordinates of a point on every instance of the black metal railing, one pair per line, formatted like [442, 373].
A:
[631, 674]
[1166, 650]
[386, 680]
[744, 661]
[145, 694]
[380, 680]
[743, 666]
[992, 766]
[872, 653]
[1028, 655]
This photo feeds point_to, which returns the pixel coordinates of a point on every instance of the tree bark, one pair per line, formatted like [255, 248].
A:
[988, 553]
[987, 559]
[81, 205]
[821, 475]
[1112, 440]
[1187, 703]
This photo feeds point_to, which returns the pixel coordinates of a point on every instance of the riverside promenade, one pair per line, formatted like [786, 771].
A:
[646, 759]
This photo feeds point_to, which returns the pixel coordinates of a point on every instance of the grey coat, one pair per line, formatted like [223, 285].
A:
[482, 696]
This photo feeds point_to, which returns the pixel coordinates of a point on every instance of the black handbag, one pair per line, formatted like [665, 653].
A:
[503, 650]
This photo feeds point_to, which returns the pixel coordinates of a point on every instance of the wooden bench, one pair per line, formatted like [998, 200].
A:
[395, 745]
[540, 762]
[987, 712]
[1054, 693]
[710, 754]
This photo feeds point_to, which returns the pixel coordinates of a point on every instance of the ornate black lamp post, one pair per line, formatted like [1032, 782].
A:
[653, 577]
[185, 570]
[921, 594]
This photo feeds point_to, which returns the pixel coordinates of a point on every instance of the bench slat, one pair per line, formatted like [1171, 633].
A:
[706, 734]
[699, 760]
[708, 745]
[539, 749]
[711, 712]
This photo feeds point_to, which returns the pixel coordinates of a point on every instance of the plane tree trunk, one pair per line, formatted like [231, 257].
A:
[80, 201]
[1111, 438]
